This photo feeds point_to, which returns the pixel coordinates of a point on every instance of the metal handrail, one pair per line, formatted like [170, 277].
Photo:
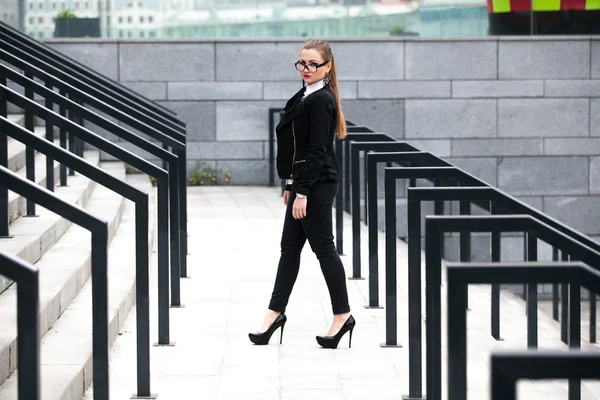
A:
[99, 260]
[130, 115]
[460, 275]
[173, 161]
[140, 200]
[27, 279]
[98, 80]
[508, 367]
[139, 163]
[435, 226]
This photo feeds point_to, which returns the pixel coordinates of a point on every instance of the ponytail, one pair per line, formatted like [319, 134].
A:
[333, 83]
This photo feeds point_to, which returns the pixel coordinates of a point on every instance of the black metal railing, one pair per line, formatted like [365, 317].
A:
[508, 367]
[140, 200]
[99, 260]
[459, 276]
[131, 116]
[80, 94]
[144, 166]
[26, 277]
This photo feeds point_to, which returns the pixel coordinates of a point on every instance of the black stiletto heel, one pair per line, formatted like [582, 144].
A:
[264, 337]
[331, 342]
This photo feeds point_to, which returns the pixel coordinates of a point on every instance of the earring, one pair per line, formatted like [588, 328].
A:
[326, 80]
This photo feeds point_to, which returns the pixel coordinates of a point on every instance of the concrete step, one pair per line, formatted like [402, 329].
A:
[33, 236]
[16, 150]
[17, 205]
[66, 295]
[66, 351]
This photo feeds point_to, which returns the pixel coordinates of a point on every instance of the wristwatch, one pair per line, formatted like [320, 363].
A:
[300, 196]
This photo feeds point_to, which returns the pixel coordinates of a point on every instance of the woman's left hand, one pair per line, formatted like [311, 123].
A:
[299, 208]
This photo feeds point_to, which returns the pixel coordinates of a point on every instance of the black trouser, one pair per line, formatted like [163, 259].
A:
[317, 227]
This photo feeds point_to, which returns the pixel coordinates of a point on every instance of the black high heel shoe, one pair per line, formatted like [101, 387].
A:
[264, 337]
[331, 342]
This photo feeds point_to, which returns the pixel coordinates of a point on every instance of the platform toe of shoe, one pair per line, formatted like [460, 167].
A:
[262, 338]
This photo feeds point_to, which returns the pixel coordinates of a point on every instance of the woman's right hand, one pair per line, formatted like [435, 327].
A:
[286, 197]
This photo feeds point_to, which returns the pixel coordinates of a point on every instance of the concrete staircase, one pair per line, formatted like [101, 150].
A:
[62, 253]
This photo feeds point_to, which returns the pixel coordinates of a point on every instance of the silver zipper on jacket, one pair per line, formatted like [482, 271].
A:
[294, 157]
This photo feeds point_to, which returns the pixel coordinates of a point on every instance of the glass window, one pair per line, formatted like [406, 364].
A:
[120, 20]
[142, 19]
[129, 20]
[151, 19]
[41, 20]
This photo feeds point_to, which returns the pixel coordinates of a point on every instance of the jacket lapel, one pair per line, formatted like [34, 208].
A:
[291, 108]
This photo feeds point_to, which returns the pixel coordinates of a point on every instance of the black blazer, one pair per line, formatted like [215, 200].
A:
[305, 138]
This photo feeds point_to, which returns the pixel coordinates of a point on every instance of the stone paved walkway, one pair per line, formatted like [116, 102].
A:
[234, 250]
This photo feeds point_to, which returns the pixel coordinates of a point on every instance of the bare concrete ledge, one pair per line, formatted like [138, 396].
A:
[64, 271]
[67, 347]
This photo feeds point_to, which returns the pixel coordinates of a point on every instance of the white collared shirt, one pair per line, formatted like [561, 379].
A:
[313, 87]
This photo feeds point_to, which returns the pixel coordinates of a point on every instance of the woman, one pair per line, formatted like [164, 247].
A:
[305, 157]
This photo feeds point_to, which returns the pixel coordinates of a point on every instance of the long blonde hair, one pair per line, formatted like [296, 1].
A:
[325, 49]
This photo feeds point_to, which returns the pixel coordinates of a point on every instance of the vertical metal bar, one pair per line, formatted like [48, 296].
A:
[555, 288]
[29, 152]
[271, 148]
[71, 138]
[63, 141]
[415, 351]
[575, 333]
[371, 174]
[174, 235]
[346, 161]
[28, 345]
[532, 315]
[433, 271]
[142, 297]
[496, 238]
[391, 310]
[100, 312]
[339, 199]
[564, 309]
[438, 209]
[592, 317]
[163, 262]
[49, 137]
[366, 189]
[465, 242]
[165, 164]
[355, 214]
[182, 188]
[457, 335]
[4, 217]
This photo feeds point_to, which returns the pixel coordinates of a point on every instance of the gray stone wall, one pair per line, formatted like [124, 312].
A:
[520, 113]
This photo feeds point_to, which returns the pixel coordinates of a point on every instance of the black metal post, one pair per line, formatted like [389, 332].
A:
[575, 332]
[142, 296]
[28, 345]
[373, 227]
[464, 238]
[532, 323]
[391, 307]
[163, 260]
[29, 153]
[592, 317]
[4, 217]
[564, 310]
[457, 336]
[183, 235]
[175, 242]
[339, 198]
[415, 351]
[100, 313]
[63, 140]
[495, 257]
[433, 330]
[50, 137]
[355, 203]
[555, 288]
[346, 169]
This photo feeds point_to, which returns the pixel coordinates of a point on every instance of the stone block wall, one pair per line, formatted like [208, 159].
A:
[521, 113]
